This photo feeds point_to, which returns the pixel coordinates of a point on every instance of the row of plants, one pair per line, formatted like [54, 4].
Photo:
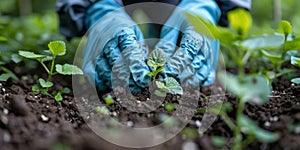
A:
[252, 83]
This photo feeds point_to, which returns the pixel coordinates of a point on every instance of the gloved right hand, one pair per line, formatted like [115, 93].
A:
[113, 54]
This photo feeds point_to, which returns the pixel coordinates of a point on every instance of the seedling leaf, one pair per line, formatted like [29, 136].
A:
[173, 86]
[16, 58]
[58, 97]
[109, 100]
[3, 39]
[285, 27]
[45, 84]
[292, 45]
[295, 61]
[31, 55]
[264, 42]
[274, 58]
[103, 110]
[4, 77]
[157, 58]
[57, 48]
[250, 127]
[170, 107]
[240, 20]
[296, 80]
[68, 69]
[219, 141]
[249, 88]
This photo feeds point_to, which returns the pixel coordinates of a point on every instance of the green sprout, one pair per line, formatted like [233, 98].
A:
[253, 89]
[103, 110]
[170, 107]
[56, 48]
[156, 60]
[170, 85]
[109, 100]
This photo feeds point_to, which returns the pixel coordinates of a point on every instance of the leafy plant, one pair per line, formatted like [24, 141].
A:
[56, 48]
[156, 60]
[247, 88]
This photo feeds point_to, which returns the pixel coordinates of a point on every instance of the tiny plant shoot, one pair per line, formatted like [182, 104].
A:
[157, 60]
[56, 48]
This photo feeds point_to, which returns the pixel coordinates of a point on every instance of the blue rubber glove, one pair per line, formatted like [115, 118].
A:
[113, 54]
[194, 62]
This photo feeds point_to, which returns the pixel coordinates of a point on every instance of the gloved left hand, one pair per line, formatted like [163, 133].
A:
[194, 63]
[113, 54]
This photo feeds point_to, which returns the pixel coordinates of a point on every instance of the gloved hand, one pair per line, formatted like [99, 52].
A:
[194, 62]
[113, 55]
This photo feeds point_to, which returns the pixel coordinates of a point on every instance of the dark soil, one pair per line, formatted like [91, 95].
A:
[29, 121]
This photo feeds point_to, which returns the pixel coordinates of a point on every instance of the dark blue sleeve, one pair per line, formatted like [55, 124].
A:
[71, 16]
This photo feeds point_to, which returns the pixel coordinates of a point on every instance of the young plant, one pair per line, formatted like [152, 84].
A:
[247, 88]
[156, 60]
[109, 100]
[296, 62]
[253, 89]
[170, 107]
[56, 48]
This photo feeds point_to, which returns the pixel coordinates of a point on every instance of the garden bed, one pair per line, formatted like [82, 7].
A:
[29, 121]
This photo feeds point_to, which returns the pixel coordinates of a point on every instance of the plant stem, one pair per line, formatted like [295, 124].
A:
[51, 69]
[228, 121]
[45, 67]
[237, 145]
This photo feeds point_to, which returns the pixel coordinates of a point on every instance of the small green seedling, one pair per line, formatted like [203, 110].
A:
[296, 62]
[170, 107]
[109, 100]
[254, 89]
[170, 85]
[56, 48]
[103, 110]
[156, 60]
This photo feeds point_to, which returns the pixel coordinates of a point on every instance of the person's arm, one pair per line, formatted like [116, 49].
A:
[71, 16]
[228, 5]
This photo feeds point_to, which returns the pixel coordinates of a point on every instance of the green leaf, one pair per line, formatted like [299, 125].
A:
[296, 80]
[240, 19]
[170, 107]
[16, 58]
[157, 58]
[4, 77]
[45, 84]
[68, 69]
[57, 48]
[219, 141]
[109, 100]
[274, 58]
[31, 55]
[250, 127]
[210, 30]
[65, 90]
[264, 42]
[173, 86]
[3, 39]
[285, 27]
[58, 97]
[292, 45]
[161, 85]
[249, 88]
[103, 110]
[160, 93]
[295, 61]
[36, 89]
